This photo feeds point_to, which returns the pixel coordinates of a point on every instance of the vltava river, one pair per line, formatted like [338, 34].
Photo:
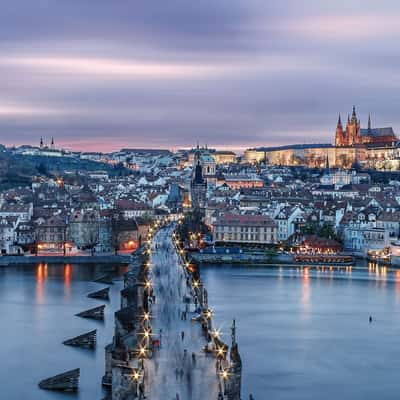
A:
[302, 335]
[37, 307]
[306, 335]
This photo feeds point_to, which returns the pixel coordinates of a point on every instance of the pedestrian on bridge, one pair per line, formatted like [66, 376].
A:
[141, 391]
[183, 335]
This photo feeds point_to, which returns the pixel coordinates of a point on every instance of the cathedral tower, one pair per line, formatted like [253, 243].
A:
[339, 137]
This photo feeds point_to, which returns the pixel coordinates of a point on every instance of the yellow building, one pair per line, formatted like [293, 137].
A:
[224, 157]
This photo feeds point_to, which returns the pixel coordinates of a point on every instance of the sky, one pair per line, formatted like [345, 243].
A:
[103, 75]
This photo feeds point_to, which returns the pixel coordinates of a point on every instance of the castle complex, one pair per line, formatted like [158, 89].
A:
[369, 148]
[354, 135]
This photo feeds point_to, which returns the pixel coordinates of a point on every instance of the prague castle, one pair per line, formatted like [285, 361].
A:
[354, 135]
[368, 147]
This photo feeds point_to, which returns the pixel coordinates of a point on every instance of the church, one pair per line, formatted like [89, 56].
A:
[354, 135]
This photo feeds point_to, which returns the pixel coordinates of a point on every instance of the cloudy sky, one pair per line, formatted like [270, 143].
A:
[101, 74]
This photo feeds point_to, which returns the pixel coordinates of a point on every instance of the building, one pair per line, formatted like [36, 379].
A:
[242, 181]
[7, 229]
[353, 135]
[198, 186]
[83, 228]
[251, 229]
[289, 220]
[133, 209]
[370, 147]
[224, 157]
[174, 200]
[23, 212]
[125, 233]
[52, 233]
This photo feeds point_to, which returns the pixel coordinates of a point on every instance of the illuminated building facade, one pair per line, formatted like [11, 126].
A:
[370, 147]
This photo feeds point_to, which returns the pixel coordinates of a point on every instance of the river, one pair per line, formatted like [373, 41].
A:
[306, 335]
[37, 307]
[302, 335]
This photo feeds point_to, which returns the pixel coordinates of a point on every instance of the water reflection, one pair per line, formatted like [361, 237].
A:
[67, 280]
[313, 325]
[41, 276]
[306, 290]
[37, 312]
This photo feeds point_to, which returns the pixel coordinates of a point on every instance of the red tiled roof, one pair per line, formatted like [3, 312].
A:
[245, 220]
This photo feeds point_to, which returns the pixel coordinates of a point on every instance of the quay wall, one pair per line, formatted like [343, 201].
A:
[6, 261]
[253, 259]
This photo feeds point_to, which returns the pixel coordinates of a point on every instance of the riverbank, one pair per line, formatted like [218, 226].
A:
[6, 261]
[284, 260]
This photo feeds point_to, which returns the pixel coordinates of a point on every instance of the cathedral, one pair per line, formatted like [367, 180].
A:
[354, 135]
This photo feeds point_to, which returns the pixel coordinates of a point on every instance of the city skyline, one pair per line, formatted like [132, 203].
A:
[232, 74]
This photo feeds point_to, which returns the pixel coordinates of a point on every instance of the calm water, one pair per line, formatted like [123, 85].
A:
[301, 335]
[37, 307]
[307, 335]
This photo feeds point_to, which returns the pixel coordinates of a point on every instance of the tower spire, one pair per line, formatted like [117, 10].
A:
[354, 115]
[339, 123]
[369, 122]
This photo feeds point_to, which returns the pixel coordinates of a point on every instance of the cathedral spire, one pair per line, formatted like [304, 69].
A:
[369, 122]
[41, 141]
[339, 122]
[354, 115]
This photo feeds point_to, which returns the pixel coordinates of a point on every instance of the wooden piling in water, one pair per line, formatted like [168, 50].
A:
[67, 381]
[102, 294]
[93, 313]
[86, 340]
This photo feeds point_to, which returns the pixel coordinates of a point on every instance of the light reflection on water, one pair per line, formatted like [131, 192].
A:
[305, 333]
[302, 333]
[37, 307]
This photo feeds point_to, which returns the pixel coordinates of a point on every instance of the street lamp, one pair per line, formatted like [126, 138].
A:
[216, 333]
[146, 316]
[220, 352]
[224, 374]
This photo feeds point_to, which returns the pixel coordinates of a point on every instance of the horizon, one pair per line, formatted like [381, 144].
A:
[237, 74]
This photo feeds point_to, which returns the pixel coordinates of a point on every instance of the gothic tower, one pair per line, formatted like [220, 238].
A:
[353, 130]
[352, 134]
[339, 136]
[198, 186]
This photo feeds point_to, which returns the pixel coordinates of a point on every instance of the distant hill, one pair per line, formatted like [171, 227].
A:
[18, 170]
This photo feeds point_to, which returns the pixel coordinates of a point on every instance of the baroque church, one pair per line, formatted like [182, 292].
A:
[354, 135]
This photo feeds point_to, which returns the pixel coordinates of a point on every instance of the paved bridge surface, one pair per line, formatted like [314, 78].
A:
[173, 373]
